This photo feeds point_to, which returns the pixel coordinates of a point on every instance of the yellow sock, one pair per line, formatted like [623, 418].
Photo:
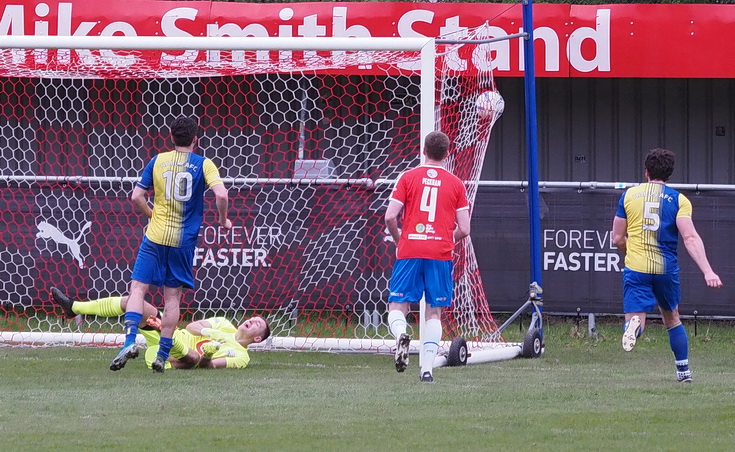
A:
[151, 337]
[179, 350]
[104, 307]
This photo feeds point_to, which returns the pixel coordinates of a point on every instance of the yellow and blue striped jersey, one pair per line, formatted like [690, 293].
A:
[651, 210]
[178, 181]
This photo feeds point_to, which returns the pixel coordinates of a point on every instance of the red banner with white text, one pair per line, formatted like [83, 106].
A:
[669, 41]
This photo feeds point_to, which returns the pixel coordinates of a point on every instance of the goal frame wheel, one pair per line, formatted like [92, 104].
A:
[458, 352]
[532, 345]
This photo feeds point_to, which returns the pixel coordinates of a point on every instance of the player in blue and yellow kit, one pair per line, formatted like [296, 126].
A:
[647, 225]
[178, 179]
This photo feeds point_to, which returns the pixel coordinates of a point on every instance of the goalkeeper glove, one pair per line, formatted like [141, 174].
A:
[210, 348]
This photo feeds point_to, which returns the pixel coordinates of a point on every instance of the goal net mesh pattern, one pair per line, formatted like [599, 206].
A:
[309, 144]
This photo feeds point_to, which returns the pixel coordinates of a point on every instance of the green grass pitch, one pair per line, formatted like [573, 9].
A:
[582, 394]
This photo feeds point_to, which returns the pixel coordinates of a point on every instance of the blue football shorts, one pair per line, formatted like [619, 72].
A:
[412, 278]
[642, 291]
[164, 265]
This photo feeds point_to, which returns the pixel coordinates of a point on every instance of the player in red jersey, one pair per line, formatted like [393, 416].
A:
[436, 215]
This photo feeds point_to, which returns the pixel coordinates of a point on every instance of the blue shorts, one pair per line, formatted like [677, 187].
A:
[642, 291]
[164, 265]
[411, 278]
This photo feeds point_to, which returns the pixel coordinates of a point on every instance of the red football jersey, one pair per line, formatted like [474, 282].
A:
[431, 197]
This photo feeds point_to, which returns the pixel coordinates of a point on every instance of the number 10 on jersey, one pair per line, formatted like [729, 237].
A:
[179, 185]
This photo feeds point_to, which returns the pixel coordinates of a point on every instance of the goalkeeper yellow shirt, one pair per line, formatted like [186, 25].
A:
[235, 354]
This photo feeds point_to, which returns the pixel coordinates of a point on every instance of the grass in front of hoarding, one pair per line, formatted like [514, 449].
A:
[582, 394]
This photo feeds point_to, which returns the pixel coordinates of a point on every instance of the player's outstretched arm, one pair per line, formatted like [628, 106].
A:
[695, 247]
[206, 328]
[619, 231]
[391, 220]
[221, 200]
[463, 225]
[140, 199]
[196, 327]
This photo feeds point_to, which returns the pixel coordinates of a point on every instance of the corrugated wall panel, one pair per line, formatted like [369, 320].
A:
[505, 159]
[599, 129]
[723, 121]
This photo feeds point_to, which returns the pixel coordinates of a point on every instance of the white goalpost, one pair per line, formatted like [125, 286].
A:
[309, 135]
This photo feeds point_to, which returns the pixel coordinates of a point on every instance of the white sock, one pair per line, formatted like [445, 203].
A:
[396, 323]
[432, 336]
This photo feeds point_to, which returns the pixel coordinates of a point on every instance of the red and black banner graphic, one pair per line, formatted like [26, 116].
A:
[334, 254]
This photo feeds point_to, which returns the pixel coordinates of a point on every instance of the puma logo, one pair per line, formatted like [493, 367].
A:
[48, 231]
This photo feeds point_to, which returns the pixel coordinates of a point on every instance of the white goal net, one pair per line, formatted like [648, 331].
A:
[309, 135]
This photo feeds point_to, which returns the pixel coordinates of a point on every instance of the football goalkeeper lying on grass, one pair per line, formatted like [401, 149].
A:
[213, 343]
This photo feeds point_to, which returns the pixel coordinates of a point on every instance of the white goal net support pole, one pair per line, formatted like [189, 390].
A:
[309, 135]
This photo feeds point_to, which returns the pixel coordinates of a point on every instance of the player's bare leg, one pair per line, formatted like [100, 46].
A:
[171, 299]
[632, 329]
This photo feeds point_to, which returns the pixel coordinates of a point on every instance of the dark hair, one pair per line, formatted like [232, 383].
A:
[436, 145]
[183, 130]
[660, 164]
[267, 332]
